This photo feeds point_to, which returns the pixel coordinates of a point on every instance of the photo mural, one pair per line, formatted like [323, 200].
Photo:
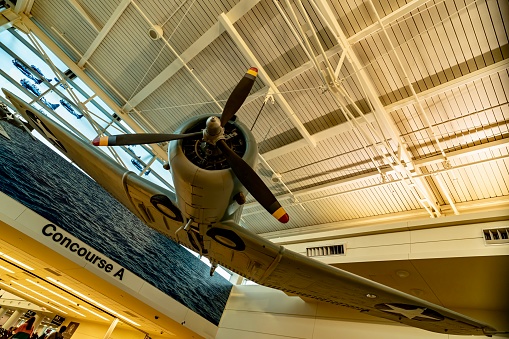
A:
[46, 183]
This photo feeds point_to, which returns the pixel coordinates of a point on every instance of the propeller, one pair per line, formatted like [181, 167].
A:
[239, 95]
[214, 135]
[253, 183]
[136, 139]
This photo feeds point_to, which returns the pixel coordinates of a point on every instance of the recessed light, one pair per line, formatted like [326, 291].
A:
[17, 261]
[92, 301]
[6, 269]
[155, 32]
[402, 274]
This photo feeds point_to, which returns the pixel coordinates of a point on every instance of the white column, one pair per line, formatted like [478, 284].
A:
[12, 320]
[37, 322]
[236, 279]
[3, 310]
[112, 327]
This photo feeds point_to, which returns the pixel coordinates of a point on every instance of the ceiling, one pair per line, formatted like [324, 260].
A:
[375, 110]
[405, 113]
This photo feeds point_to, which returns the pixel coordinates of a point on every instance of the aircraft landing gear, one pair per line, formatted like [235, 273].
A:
[213, 268]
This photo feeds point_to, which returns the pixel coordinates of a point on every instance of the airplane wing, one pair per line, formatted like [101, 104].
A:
[274, 266]
[246, 253]
[151, 203]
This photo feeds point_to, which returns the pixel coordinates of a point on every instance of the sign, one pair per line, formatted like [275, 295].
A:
[80, 249]
[57, 320]
[71, 328]
[29, 314]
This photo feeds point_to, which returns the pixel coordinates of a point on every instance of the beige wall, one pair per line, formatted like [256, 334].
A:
[257, 312]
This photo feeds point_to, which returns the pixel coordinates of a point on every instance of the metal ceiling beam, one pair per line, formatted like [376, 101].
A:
[28, 7]
[227, 24]
[21, 5]
[374, 175]
[400, 161]
[49, 43]
[364, 176]
[199, 45]
[364, 33]
[386, 20]
[104, 31]
[447, 86]
[85, 15]
[319, 136]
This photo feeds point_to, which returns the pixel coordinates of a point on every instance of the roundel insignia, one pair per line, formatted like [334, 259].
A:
[411, 312]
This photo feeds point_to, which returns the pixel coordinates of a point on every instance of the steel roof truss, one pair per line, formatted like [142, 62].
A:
[104, 31]
[223, 19]
[418, 186]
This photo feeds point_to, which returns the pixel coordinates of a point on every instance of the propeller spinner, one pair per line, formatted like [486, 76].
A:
[213, 134]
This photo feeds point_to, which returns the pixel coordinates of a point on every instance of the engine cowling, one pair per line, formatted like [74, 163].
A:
[204, 183]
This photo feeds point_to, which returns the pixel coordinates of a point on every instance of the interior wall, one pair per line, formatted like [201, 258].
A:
[258, 312]
[93, 330]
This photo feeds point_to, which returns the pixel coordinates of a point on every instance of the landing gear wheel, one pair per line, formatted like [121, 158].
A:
[227, 238]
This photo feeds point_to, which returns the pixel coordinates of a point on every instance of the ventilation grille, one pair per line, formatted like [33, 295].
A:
[496, 236]
[325, 250]
[31, 275]
[131, 314]
[53, 271]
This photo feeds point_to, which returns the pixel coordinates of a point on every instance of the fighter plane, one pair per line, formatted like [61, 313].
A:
[212, 160]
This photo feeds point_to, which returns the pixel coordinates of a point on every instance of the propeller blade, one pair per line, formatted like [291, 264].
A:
[239, 95]
[253, 183]
[137, 139]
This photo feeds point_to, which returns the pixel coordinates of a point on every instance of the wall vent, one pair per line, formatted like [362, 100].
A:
[325, 250]
[31, 275]
[131, 314]
[53, 271]
[496, 235]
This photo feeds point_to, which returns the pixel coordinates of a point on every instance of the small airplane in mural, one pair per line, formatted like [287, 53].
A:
[35, 90]
[69, 109]
[211, 160]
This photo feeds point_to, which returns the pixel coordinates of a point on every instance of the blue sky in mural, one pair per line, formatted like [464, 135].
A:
[11, 42]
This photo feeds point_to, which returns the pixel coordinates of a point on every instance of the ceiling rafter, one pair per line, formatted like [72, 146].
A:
[85, 15]
[361, 35]
[401, 162]
[446, 86]
[375, 175]
[104, 32]
[199, 45]
[227, 24]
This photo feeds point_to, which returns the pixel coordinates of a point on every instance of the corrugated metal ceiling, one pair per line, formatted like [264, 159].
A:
[385, 150]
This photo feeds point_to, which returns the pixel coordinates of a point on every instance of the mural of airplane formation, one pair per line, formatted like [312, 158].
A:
[38, 80]
[211, 161]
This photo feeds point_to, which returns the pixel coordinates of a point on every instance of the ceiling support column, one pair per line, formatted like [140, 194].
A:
[111, 328]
